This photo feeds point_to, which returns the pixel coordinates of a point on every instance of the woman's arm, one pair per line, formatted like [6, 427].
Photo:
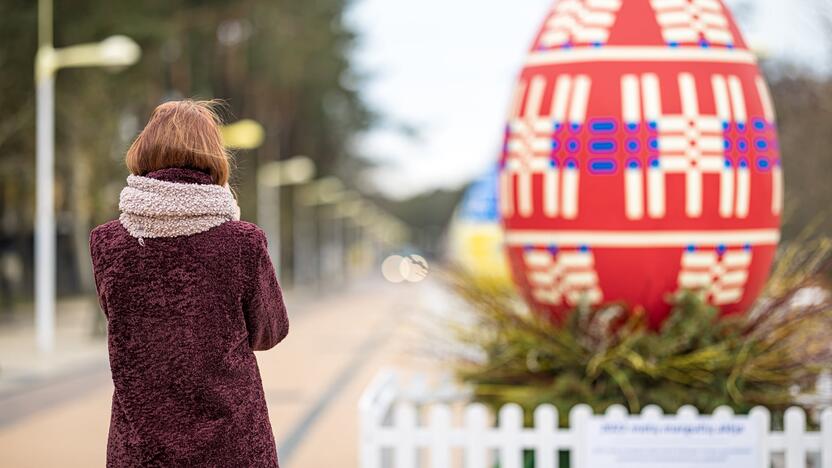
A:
[95, 257]
[265, 312]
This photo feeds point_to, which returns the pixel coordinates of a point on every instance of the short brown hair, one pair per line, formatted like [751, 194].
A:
[181, 134]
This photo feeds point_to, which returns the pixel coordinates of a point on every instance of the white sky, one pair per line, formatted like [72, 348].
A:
[447, 67]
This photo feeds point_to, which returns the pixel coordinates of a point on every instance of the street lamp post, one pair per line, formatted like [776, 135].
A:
[348, 211]
[112, 52]
[326, 191]
[270, 178]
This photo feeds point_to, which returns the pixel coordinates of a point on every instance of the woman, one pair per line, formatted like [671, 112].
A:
[189, 293]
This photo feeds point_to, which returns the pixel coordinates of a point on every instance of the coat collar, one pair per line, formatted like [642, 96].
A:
[181, 175]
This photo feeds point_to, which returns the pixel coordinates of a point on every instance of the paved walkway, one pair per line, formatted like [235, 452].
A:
[21, 366]
[312, 382]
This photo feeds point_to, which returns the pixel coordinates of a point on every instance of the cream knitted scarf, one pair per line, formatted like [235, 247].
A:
[157, 208]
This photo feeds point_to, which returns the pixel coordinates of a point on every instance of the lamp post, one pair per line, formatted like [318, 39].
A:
[347, 212]
[270, 178]
[116, 51]
[326, 191]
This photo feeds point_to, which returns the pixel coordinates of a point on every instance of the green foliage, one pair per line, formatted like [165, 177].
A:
[609, 355]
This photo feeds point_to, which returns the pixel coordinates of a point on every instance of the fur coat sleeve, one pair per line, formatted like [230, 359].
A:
[263, 306]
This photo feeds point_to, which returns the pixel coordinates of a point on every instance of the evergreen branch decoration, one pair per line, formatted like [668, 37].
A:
[608, 355]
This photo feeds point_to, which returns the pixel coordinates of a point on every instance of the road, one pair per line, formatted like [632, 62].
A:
[312, 382]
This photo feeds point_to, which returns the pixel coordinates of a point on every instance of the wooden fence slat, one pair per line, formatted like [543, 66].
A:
[723, 412]
[761, 418]
[652, 412]
[370, 453]
[794, 429]
[511, 425]
[578, 418]
[687, 412]
[545, 426]
[826, 438]
[405, 419]
[371, 408]
[476, 423]
[440, 429]
[616, 412]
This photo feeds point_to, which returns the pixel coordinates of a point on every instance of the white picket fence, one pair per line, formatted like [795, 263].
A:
[409, 426]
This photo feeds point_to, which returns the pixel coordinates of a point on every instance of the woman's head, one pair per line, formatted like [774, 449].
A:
[181, 134]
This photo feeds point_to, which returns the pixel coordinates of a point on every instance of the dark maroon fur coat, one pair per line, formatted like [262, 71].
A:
[185, 315]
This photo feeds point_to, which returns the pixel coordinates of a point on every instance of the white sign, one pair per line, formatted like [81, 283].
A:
[671, 442]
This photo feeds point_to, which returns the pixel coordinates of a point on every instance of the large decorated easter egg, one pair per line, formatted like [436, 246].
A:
[475, 237]
[640, 159]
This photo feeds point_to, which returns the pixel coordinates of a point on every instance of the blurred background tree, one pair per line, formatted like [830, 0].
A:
[284, 63]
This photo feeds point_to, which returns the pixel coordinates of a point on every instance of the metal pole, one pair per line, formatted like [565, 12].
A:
[45, 216]
[339, 275]
[318, 248]
[299, 242]
[267, 219]
[45, 192]
[296, 236]
[276, 247]
[306, 253]
[45, 23]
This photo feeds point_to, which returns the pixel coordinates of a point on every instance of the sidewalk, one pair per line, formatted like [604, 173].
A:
[312, 382]
[77, 348]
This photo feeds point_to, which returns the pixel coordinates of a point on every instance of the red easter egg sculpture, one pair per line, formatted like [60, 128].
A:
[640, 159]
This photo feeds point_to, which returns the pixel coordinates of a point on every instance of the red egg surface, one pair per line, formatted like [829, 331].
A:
[640, 159]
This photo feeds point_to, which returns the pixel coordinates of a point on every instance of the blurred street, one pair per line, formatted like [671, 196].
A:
[55, 412]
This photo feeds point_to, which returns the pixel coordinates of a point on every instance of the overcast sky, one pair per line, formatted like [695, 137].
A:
[447, 67]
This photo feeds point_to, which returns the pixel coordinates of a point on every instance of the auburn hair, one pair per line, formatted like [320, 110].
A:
[181, 134]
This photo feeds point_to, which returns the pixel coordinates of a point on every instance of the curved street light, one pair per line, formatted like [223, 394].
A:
[116, 51]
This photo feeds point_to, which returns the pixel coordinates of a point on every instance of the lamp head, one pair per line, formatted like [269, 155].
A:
[119, 51]
[246, 134]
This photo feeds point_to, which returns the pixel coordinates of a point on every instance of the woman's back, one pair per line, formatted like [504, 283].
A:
[189, 293]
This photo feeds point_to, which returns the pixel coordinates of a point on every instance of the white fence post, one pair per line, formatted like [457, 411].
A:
[440, 427]
[616, 412]
[723, 412]
[405, 449]
[687, 412]
[826, 438]
[546, 429]
[511, 425]
[651, 412]
[794, 426]
[476, 422]
[578, 418]
[761, 419]
[372, 406]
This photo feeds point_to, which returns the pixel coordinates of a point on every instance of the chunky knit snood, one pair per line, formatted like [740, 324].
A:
[158, 208]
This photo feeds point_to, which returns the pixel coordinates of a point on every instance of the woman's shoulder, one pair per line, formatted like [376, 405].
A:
[107, 238]
[106, 232]
[241, 239]
[250, 232]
